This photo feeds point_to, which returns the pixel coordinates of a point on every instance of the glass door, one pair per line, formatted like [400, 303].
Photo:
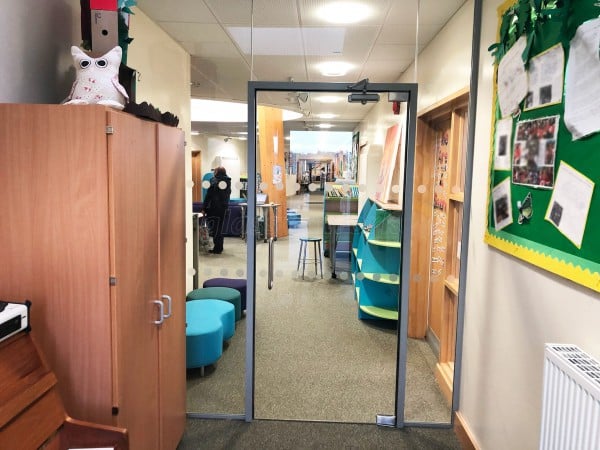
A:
[331, 257]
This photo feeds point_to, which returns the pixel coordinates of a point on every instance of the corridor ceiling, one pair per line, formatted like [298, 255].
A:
[234, 41]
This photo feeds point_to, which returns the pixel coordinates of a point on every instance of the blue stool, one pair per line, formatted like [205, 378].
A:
[317, 254]
[208, 323]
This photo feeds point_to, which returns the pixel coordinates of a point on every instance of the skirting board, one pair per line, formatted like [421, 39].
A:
[463, 433]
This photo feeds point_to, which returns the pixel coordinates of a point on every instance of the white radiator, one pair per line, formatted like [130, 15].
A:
[571, 399]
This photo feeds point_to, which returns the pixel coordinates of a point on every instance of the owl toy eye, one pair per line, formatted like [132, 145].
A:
[85, 63]
[102, 63]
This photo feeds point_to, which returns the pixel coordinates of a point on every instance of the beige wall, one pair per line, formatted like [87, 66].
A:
[163, 68]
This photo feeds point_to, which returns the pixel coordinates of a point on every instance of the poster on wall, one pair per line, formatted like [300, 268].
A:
[502, 144]
[534, 152]
[502, 205]
[570, 203]
[582, 90]
[277, 175]
[546, 78]
[512, 79]
[388, 163]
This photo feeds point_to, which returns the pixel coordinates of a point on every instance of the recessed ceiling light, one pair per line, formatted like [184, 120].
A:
[334, 68]
[344, 12]
[324, 125]
[328, 99]
[326, 116]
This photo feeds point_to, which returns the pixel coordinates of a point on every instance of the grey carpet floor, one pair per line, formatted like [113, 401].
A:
[315, 360]
[278, 435]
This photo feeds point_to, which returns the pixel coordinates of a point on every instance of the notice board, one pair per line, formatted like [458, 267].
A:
[543, 200]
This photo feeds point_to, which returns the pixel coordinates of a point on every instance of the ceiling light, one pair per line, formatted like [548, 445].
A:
[324, 125]
[328, 99]
[195, 133]
[325, 116]
[334, 68]
[344, 12]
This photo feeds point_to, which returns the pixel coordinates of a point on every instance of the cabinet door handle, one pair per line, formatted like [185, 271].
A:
[161, 311]
[169, 305]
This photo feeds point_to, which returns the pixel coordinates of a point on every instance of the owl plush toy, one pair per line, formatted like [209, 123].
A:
[97, 80]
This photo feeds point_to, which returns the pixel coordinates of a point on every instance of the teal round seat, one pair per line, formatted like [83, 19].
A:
[204, 340]
[226, 294]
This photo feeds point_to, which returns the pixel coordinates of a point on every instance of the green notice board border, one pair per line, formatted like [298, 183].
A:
[537, 240]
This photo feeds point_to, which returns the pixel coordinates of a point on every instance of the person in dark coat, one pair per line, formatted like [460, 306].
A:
[216, 204]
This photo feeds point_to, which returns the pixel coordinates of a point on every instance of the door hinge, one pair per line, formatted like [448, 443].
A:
[386, 421]
[112, 281]
[110, 129]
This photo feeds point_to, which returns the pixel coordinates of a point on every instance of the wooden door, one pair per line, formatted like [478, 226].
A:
[134, 265]
[171, 210]
[54, 243]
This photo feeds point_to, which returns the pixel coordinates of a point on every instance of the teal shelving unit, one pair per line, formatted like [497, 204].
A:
[376, 257]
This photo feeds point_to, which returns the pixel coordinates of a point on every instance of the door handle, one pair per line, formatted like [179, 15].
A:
[169, 305]
[271, 257]
[161, 311]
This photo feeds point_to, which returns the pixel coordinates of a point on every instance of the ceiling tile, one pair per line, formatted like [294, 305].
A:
[176, 10]
[195, 32]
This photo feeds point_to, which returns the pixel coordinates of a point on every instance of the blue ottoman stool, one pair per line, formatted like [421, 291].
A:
[203, 338]
[208, 323]
[230, 295]
[235, 283]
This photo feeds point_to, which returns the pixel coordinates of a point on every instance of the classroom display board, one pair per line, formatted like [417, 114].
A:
[543, 204]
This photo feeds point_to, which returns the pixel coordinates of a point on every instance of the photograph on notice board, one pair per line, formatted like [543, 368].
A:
[534, 152]
[502, 205]
[570, 203]
[502, 144]
[546, 78]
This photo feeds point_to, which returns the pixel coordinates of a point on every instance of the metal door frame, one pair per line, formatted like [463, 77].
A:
[408, 93]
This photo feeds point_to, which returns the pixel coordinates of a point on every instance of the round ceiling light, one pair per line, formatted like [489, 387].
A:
[334, 68]
[344, 12]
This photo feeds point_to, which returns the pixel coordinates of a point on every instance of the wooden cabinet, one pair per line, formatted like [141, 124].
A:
[437, 227]
[94, 235]
[376, 260]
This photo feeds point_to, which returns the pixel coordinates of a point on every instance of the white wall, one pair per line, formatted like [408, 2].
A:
[37, 66]
[233, 155]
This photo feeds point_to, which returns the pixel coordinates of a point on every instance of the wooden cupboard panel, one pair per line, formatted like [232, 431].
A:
[133, 213]
[54, 243]
[171, 207]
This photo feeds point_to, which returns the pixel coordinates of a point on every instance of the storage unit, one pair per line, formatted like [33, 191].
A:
[376, 260]
[94, 236]
[338, 199]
